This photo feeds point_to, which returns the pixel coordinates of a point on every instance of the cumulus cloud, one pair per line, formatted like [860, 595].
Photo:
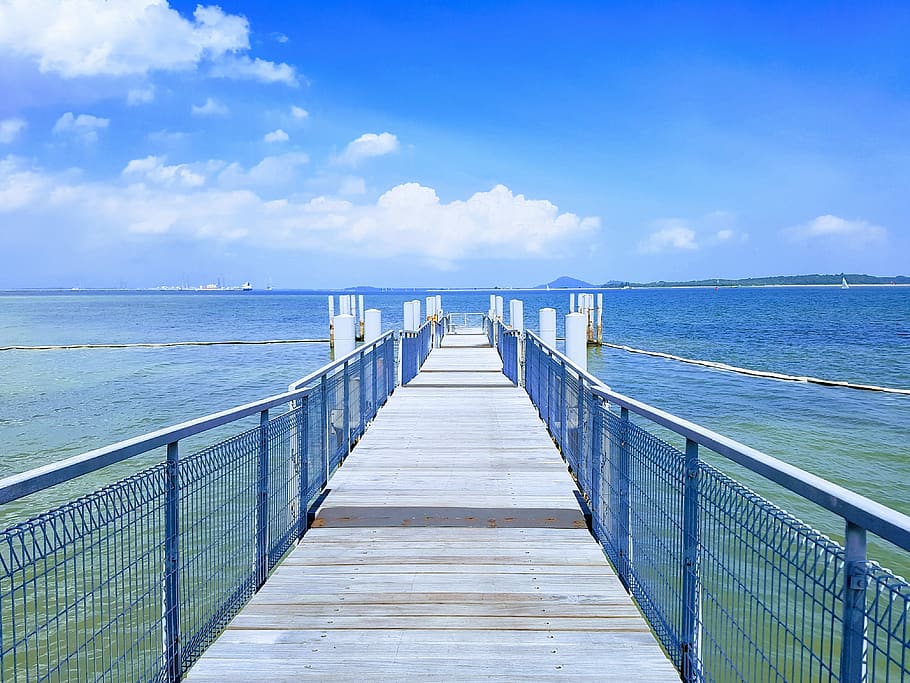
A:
[154, 170]
[210, 107]
[724, 235]
[830, 227]
[272, 171]
[154, 198]
[84, 127]
[671, 233]
[242, 67]
[366, 146]
[78, 38]
[10, 129]
[299, 113]
[140, 96]
[21, 185]
[276, 136]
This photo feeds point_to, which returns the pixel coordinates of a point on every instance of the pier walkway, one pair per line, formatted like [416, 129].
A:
[451, 546]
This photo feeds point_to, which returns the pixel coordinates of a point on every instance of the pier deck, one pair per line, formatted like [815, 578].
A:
[450, 547]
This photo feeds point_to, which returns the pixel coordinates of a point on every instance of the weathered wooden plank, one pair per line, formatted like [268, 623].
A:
[451, 546]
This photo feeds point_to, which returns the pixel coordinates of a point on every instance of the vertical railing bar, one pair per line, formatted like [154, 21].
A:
[623, 523]
[856, 579]
[324, 439]
[374, 374]
[262, 502]
[363, 394]
[691, 613]
[303, 477]
[596, 467]
[346, 397]
[563, 409]
[172, 564]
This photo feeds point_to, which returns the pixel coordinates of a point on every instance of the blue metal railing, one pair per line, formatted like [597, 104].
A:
[133, 582]
[416, 346]
[507, 342]
[735, 588]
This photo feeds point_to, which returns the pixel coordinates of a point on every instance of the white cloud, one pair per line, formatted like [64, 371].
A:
[829, 227]
[20, 186]
[244, 68]
[724, 235]
[671, 233]
[76, 38]
[84, 127]
[407, 219]
[211, 107]
[272, 171]
[368, 145]
[140, 96]
[154, 170]
[10, 129]
[299, 112]
[276, 136]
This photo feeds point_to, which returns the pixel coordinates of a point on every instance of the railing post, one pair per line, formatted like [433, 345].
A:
[303, 477]
[691, 612]
[580, 427]
[563, 409]
[623, 518]
[172, 565]
[363, 393]
[374, 372]
[856, 579]
[262, 502]
[324, 439]
[390, 368]
[596, 473]
[347, 410]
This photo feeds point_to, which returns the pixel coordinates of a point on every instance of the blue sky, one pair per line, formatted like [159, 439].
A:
[419, 144]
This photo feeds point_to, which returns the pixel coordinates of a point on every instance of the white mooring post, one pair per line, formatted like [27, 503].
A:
[431, 307]
[576, 343]
[344, 334]
[439, 305]
[517, 314]
[331, 321]
[492, 310]
[548, 326]
[572, 302]
[600, 317]
[361, 310]
[408, 315]
[499, 308]
[372, 325]
[418, 320]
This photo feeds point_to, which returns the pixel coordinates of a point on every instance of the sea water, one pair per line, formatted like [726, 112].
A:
[58, 403]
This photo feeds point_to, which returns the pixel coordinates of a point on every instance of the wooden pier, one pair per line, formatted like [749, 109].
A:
[450, 547]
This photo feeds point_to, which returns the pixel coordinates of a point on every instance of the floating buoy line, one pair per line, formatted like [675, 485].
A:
[629, 349]
[760, 373]
[164, 345]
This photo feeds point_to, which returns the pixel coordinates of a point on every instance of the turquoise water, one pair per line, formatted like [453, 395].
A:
[55, 404]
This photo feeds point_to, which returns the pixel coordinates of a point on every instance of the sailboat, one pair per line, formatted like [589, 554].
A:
[843, 283]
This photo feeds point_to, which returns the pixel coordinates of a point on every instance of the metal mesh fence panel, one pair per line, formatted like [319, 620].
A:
[80, 590]
[735, 588]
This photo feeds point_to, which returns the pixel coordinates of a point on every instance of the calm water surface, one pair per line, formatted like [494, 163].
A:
[55, 404]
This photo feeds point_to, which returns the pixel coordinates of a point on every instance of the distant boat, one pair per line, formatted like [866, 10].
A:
[247, 287]
[843, 283]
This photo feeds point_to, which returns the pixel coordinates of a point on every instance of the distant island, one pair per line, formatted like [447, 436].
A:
[566, 282]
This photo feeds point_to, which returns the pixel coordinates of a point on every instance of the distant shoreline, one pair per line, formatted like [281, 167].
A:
[411, 290]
